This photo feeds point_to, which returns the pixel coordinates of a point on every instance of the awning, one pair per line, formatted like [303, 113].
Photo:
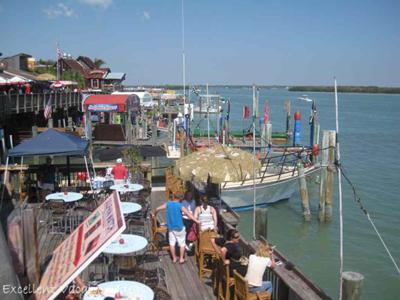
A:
[108, 103]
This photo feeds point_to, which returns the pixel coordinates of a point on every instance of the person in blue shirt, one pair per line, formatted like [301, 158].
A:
[176, 229]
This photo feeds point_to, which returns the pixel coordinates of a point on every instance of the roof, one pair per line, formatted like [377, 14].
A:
[87, 61]
[96, 74]
[115, 76]
[73, 64]
[51, 142]
[106, 103]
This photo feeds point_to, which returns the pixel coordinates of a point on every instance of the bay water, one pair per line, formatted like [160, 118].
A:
[369, 136]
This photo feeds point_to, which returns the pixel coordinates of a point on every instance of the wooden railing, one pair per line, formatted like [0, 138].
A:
[11, 103]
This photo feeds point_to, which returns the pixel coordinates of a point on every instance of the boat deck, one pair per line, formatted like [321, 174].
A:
[180, 281]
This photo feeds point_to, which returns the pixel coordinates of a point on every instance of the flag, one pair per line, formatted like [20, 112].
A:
[266, 112]
[246, 112]
[48, 109]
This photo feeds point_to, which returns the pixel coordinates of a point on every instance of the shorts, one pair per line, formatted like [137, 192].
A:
[177, 236]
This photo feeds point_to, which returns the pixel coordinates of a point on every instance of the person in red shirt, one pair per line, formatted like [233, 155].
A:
[119, 172]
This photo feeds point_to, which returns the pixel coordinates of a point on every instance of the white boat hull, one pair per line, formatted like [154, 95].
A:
[240, 195]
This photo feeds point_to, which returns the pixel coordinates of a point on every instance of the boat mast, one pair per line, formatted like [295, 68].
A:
[255, 113]
[340, 192]
[183, 55]
[208, 117]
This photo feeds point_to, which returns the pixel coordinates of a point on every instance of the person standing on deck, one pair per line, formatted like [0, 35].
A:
[176, 229]
[189, 203]
[119, 172]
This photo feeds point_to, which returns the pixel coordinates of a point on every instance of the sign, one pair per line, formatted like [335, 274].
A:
[102, 107]
[83, 245]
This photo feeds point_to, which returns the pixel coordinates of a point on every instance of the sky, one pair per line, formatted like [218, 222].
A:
[306, 42]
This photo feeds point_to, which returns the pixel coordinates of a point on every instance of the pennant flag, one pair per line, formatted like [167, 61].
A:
[246, 112]
[266, 112]
[48, 110]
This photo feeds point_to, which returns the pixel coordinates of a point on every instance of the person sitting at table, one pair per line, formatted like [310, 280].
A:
[230, 251]
[47, 176]
[207, 215]
[257, 264]
[119, 172]
[176, 229]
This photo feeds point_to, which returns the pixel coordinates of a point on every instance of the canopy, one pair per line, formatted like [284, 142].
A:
[219, 163]
[108, 103]
[51, 142]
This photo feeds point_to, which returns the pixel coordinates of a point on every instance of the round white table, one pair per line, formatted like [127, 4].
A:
[131, 244]
[127, 289]
[127, 187]
[66, 197]
[130, 208]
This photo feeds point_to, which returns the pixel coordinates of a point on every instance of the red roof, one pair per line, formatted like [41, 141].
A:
[108, 100]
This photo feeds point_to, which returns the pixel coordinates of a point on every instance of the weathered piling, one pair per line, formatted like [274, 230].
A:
[261, 222]
[352, 284]
[326, 184]
[35, 133]
[305, 202]
[329, 175]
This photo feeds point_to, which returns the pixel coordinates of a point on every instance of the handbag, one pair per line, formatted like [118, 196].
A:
[192, 235]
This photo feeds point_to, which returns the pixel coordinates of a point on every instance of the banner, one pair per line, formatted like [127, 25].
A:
[81, 247]
[102, 107]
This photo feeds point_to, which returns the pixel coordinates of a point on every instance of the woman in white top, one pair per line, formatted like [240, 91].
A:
[257, 264]
[206, 214]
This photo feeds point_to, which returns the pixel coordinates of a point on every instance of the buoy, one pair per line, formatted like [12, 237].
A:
[315, 149]
[297, 129]
[297, 116]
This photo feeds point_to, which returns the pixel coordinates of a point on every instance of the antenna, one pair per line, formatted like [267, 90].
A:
[183, 54]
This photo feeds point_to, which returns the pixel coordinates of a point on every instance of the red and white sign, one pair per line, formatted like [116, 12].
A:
[83, 245]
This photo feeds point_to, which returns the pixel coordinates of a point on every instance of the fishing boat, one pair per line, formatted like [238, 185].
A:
[208, 103]
[277, 180]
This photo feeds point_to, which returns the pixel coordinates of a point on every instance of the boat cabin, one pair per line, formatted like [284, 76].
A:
[111, 117]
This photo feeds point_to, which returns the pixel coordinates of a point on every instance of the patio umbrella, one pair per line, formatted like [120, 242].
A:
[46, 77]
[3, 81]
[56, 84]
[219, 163]
[17, 80]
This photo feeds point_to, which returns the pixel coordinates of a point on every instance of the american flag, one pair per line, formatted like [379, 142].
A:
[48, 109]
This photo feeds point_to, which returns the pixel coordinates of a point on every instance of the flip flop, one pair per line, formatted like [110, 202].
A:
[182, 262]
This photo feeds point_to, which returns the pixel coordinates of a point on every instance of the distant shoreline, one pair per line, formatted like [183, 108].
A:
[347, 89]
[300, 88]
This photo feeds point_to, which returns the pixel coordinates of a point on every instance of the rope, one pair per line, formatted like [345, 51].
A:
[358, 200]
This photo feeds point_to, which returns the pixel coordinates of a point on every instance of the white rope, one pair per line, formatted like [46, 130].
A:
[384, 244]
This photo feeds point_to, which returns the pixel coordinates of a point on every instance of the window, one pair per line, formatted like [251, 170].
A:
[95, 83]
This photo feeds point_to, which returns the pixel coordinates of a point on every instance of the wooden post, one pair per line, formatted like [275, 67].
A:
[305, 202]
[322, 186]
[352, 284]
[261, 222]
[263, 137]
[31, 248]
[35, 133]
[24, 103]
[17, 103]
[329, 175]
[50, 123]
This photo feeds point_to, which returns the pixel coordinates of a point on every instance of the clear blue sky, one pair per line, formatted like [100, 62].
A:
[226, 41]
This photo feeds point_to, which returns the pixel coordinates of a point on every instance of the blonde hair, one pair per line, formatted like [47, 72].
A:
[263, 249]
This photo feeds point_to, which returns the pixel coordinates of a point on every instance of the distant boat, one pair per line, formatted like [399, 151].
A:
[208, 104]
[305, 98]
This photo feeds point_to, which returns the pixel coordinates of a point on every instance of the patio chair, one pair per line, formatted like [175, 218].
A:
[158, 232]
[205, 252]
[58, 217]
[223, 282]
[242, 291]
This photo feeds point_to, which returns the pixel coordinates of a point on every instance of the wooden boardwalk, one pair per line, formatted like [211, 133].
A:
[181, 281]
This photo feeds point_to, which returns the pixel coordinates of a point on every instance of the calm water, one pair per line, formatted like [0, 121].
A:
[369, 141]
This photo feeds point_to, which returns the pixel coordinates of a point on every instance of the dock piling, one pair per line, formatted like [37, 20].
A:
[352, 284]
[329, 175]
[305, 202]
[262, 222]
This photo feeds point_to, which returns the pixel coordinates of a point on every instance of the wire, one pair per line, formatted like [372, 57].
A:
[363, 209]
